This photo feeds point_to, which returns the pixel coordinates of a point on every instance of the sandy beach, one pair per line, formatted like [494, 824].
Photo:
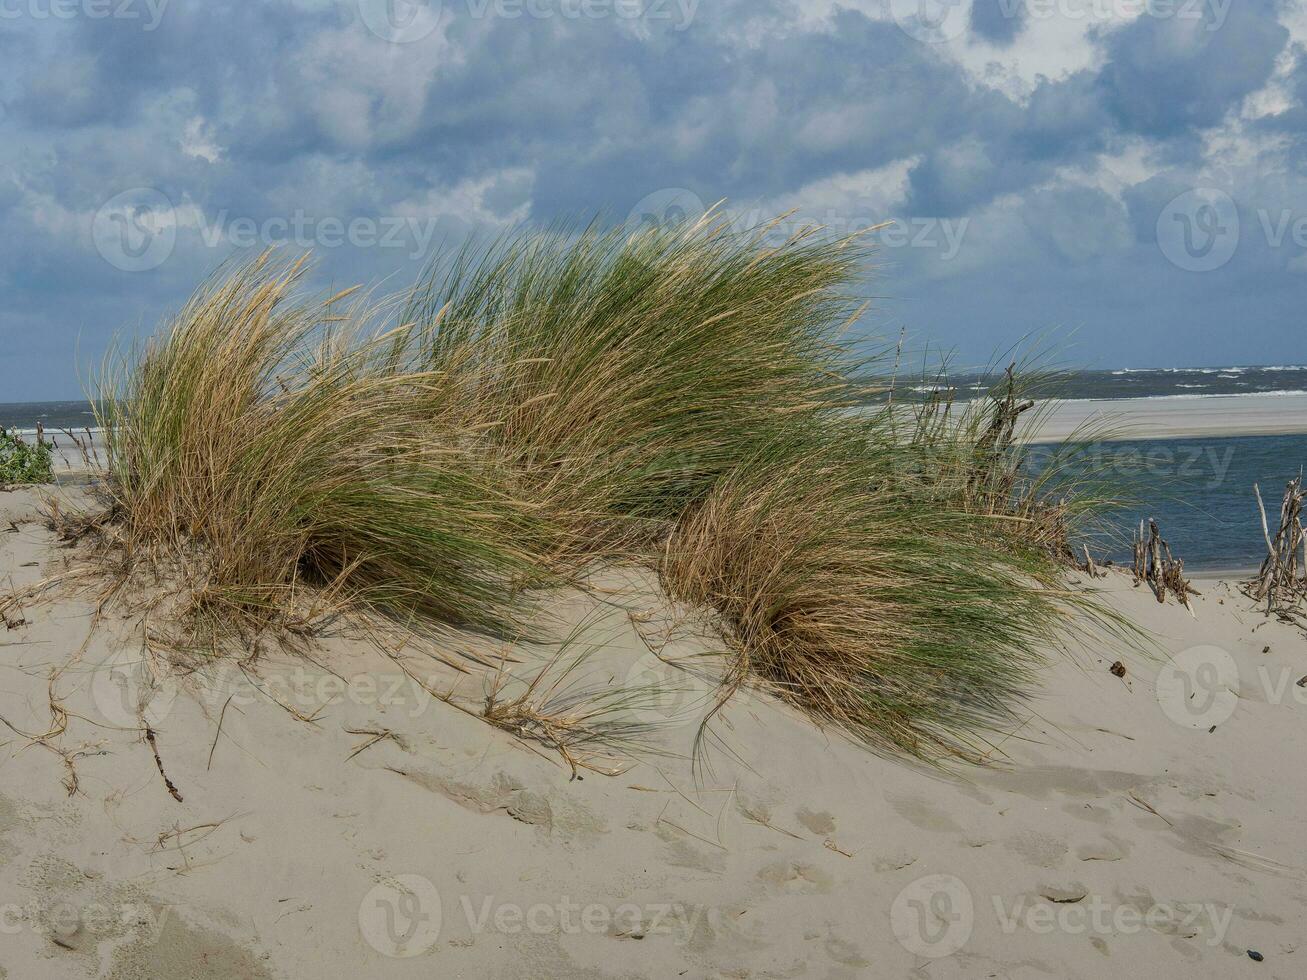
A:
[622, 489]
[1172, 417]
[327, 817]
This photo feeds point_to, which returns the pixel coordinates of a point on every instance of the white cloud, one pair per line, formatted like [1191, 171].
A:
[197, 141]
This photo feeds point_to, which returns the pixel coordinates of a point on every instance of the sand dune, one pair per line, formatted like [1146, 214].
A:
[1135, 826]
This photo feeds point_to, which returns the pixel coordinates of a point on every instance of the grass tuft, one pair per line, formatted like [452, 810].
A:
[622, 375]
[684, 398]
[909, 625]
[260, 445]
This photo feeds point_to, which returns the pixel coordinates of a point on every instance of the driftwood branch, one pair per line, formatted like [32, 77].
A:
[1281, 581]
[1158, 568]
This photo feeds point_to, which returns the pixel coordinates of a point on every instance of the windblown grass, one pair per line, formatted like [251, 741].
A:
[682, 398]
[865, 603]
[624, 375]
[970, 458]
[259, 445]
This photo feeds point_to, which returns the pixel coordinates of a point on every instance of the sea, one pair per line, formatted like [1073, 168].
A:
[1200, 491]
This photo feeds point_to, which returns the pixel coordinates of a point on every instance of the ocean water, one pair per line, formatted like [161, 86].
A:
[23, 416]
[1200, 491]
[1184, 383]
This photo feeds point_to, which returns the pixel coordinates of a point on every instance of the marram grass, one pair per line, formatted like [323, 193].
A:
[681, 398]
[259, 449]
[625, 374]
[906, 623]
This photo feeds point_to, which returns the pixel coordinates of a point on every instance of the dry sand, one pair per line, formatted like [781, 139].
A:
[1174, 417]
[1115, 834]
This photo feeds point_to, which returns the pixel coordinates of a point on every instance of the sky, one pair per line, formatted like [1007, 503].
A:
[1126, 177]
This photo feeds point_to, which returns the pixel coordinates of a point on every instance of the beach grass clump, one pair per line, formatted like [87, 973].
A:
[259, 447]
[22, 461]
[622, 375]
[910, 626]
[683, 398]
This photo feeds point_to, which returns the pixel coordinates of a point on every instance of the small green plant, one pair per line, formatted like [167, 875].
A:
[24, 462]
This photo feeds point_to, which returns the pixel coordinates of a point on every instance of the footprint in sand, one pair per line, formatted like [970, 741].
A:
[819, 822]
[923, 815]
[1041, 850]
[894, 862]
[796, 877]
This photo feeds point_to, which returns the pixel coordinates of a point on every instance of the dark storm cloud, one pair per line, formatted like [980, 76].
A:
[1167, 75]
[258, 110]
